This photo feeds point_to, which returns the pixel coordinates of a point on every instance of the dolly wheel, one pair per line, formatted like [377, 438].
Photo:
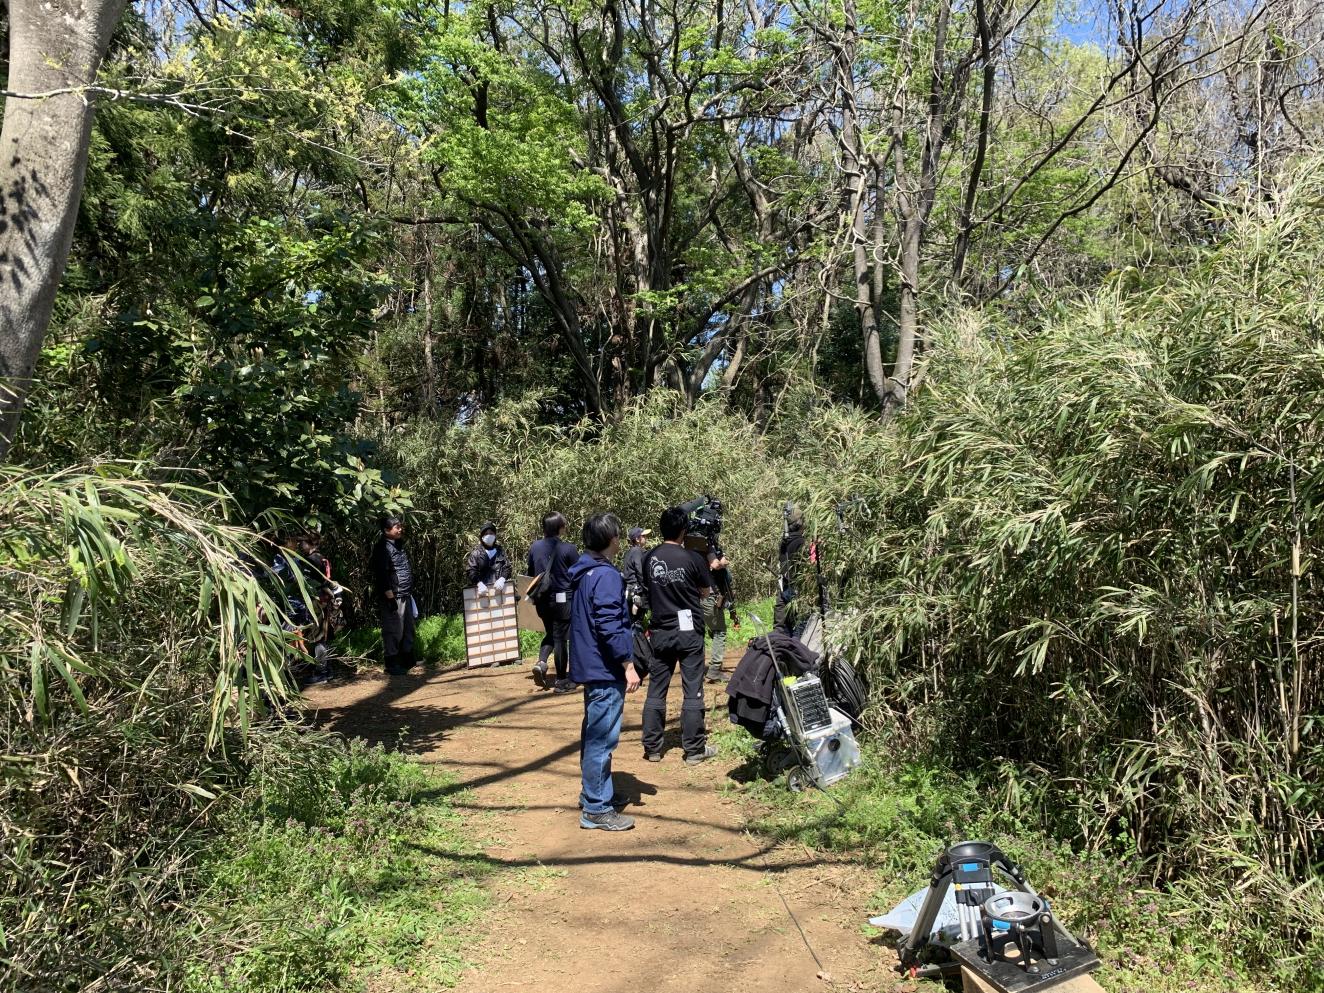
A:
[797, 780]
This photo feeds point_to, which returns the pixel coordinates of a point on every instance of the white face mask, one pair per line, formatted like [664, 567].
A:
[489, 540]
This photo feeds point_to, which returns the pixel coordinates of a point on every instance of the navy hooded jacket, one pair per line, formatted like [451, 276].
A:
[600, 635]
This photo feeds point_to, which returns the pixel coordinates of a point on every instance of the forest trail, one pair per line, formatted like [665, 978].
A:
[687, 901]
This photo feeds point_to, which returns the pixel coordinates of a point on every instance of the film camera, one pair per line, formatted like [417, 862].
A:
[705, 530]
[705, 513]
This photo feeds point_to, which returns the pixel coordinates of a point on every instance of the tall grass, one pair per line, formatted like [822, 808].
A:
[1087, 559]
[136, 644]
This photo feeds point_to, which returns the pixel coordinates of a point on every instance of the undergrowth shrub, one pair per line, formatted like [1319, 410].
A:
[1092, 547]
[136, 644]
[438, 640]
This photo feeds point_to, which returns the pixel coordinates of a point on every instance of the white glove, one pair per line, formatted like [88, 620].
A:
[482, 589]
[500, 584]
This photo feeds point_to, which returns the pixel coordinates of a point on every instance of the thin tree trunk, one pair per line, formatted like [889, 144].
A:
[43, 159]
[429, 399]
[898, 385]
[965, 220]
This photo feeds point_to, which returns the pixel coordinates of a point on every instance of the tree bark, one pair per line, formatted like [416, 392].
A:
[856, 174]
[428, 400]
[965, 218]
[54, 50]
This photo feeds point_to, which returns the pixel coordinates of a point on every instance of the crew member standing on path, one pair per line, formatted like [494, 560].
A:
[636, 583]
[550, 559]
[488, 566]
[600, 643]
[636, 592]
[714, 616]
[678, 580]
[316, 570]
[393, 585]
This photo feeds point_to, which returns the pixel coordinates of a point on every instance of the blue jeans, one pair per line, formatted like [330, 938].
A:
[604, 703]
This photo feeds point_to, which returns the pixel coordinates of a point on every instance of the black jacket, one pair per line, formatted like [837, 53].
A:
[551, 558]
[753, 684]
[478, 568]
[390, 569]
[633, 570]
[788, 558]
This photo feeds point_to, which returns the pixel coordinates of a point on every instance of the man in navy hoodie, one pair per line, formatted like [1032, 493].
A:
[550, 559]
[600, 645]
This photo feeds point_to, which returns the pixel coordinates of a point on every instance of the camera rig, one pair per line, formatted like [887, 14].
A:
[1008, 936]
[705, 531]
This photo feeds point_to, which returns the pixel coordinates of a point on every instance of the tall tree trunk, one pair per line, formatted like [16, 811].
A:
[965, 217]
[898, 386]
[856, 174]
[428, 401]
[43, 159]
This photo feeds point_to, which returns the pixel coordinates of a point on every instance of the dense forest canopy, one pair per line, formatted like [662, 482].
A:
[303, 216]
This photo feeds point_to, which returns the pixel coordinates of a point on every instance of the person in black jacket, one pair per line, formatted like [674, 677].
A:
[678, 580]
[393, 587]
[636, 583]
[636, 596]
[550, 559]
[488, 566]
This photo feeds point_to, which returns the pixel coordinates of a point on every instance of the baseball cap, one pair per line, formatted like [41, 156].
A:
[637, 533]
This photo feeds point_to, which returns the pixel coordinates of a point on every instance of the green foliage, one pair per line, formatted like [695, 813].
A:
[897, 816]
[284, 313]
[203, 324]
[136, 636]
[340, 862]
[507, 467]
[501, 129]
[1094, 543]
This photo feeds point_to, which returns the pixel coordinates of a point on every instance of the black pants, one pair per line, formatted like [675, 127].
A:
[556, 635]
[783, 613]
[672, 649]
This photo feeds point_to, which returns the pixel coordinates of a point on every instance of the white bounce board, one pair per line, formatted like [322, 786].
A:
[491, 627]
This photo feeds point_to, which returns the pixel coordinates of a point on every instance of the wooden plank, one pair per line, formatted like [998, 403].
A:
[528, 616]
[491, 628]
[972, 982]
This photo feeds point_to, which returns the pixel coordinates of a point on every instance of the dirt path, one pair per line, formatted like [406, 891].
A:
[685, 902]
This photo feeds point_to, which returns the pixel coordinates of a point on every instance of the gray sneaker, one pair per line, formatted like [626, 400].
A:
[708, 753]
[653, 756]
[608, 820]
[715, 675]
[540, 674]
[563, 686]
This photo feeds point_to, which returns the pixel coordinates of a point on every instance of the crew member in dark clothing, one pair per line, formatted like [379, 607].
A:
[488, 567]
[393, 587]
[636, 583]
[789, 560]
[678, 580]
[636, 596]
[290, 568]
[316, 570]
[550, 559]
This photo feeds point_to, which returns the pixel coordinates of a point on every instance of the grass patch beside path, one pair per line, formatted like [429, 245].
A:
[897, 819]
[337, 870]
[438, 641]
